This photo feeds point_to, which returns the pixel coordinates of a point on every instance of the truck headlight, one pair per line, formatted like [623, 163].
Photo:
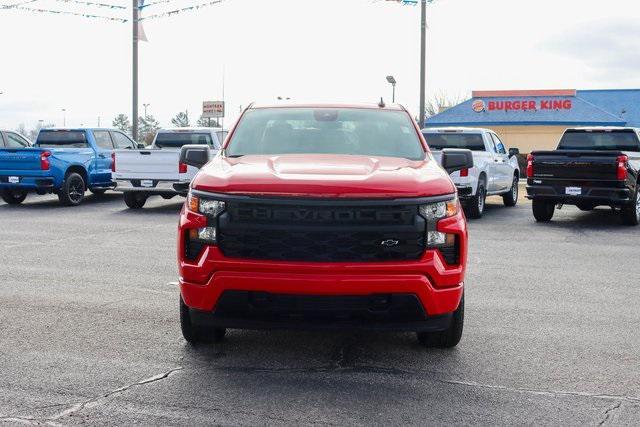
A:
[207, 207]
[212, 209]
[439, 210]
[434, 212]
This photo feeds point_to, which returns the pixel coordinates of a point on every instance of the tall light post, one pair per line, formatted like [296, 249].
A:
[423, 44]
[145, 109]
[64, 117]
[135, 21]
[392, 81]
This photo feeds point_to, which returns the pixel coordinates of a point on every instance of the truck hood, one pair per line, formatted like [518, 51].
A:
[320, 175]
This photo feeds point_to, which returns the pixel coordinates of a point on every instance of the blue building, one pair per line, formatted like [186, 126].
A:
[535, 119]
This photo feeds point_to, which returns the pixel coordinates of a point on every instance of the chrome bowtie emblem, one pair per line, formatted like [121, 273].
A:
[390, 243]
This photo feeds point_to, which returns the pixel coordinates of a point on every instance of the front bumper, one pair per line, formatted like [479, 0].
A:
[609, 196]
[159, 188]
[261, 310]
[437, 286]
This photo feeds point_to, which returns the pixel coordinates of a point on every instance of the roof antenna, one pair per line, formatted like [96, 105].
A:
[381, 103]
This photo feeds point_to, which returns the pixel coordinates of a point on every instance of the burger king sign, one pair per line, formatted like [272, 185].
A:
[478, 106]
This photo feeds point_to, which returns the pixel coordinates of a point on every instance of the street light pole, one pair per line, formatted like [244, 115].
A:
[145, 109]
[393, 82]
[64, 117]
[134, 118]
[423, 42]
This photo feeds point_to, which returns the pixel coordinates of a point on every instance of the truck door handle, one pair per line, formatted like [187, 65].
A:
[102, 156]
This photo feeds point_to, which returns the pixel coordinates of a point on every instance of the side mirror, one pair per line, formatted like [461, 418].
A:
[455, 159]
[195, 155]
[141, 146]
[513, 152]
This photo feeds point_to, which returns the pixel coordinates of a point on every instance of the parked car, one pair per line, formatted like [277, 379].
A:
[11, 139]
[592, 166]
[66, 162]
[156, 170]
[323, 217]
[495, 170]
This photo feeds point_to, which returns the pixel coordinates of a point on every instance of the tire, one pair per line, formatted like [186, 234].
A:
[475, 204]
[72, 191]
[13, 197]
[631, 213]
[195, 334]
[511, 198]
[448, 338]
[134, 200]
[543, 210]
[98, 191]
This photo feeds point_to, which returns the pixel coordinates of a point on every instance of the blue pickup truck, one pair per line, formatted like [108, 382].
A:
[66, 162]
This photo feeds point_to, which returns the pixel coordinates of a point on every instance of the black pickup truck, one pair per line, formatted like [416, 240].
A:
[591, 167]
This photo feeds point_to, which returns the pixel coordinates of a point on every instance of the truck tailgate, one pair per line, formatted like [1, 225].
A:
[576, 165]
[20, 159]
[148, 164]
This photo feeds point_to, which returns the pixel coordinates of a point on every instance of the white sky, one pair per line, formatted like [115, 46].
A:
[309, 50]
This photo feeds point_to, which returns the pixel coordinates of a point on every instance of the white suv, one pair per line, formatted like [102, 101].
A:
[495, 170]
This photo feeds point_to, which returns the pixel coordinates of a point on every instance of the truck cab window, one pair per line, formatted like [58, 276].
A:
[123, 141]
[103, 139]
[498, 145]
[15, 141]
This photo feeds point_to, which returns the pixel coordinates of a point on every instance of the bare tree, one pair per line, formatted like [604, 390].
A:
[441, 101]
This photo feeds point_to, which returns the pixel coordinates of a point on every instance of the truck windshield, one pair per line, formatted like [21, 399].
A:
[613, 140]
[470, 141]
[61, 138]
[346, 131]
[177, 140]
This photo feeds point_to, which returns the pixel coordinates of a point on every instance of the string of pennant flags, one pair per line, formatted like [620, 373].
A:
[28, 6]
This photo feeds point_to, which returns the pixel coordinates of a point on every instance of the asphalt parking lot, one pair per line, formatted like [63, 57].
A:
[89, 332]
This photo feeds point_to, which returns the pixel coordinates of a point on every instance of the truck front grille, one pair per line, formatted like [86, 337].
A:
[321, 233]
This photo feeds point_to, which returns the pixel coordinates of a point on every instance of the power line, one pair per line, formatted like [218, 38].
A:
[91, 3]
[184, 9]
[16, 5]
[155, 3]
[66, 12]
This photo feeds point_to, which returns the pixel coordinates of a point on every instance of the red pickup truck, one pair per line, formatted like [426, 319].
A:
[323, 216]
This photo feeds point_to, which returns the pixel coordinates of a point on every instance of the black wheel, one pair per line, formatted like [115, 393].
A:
[543, 210]
[98, 191]
[631, 213]
[195, 334]
[13, 197]
[475, 204]
[511, 198]
[134, 200]
[448, 338]
[72, 191]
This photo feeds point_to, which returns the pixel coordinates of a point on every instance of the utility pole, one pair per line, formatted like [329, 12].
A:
[134, 118]
[423, 42]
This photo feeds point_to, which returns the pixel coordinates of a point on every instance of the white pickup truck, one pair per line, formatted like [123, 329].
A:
[495, 171]
[157, 171]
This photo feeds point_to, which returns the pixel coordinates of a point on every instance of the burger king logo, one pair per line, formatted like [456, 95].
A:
[478, 106]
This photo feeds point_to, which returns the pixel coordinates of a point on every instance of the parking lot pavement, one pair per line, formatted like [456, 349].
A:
[89, 332]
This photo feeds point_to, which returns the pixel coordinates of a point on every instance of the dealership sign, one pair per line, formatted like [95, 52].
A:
[213, 109]
[522, 105]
